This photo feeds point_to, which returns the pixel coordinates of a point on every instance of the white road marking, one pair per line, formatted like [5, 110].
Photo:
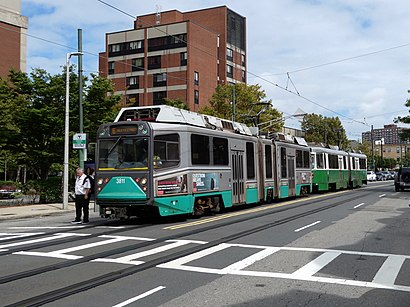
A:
[383, 195]
[16, 235]
[316, 265]
[54, 237]
[62, 252]
[384, 279]
[307, 226]
[388, 272]
[47, 227]
[130, 259]
[359, 205]
[145, 294]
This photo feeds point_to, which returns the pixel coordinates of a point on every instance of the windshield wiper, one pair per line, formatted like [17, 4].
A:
[113, 146]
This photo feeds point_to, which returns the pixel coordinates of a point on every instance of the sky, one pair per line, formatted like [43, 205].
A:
[345, 58]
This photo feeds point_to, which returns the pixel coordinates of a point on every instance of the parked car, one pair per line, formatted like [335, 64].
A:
[380, 176]
[371, 176]
[402, 179]
[387, 175]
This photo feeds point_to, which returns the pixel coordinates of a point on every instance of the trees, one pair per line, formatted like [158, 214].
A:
[248, 104]
[32, 110]
[322, 129]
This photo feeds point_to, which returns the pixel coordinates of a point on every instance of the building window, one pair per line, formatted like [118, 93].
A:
[125, 48]
[243, 60]
[135, 45]
[114, 48]
[137, 64]
[158, 97]
[196, 78]
[132, 100]
[133, 82]
[154, 62]
[111, 68]
[243, 76]
[229, 71]
[196, 97]
[184, 58]
[229, 54]
[167, 42]
[160, 79]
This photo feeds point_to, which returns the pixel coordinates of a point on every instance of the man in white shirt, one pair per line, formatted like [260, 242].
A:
[82, 190]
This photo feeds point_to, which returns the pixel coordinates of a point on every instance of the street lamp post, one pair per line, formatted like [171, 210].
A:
[67, 125]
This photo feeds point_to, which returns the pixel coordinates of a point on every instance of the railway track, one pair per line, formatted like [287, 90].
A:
[118, 274]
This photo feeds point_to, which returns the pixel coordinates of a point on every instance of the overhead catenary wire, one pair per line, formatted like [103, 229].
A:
[255, 75]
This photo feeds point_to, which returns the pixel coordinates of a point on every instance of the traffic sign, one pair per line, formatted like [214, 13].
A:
[80, 141]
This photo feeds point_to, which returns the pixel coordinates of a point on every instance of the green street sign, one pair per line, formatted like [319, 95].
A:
[80, 141]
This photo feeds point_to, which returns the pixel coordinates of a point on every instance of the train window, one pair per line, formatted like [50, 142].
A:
[306, 161]
[345, 162]
[166, 150]
[220, 151]
[352, 162]
[250, 160]
[299, 159]
[302, 159]
[333, 162]
[200, 149]
[268, 161]
[283, 169]
[320, 161]
[362, 163]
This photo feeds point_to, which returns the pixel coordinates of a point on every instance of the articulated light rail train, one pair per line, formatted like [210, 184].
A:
[160, 160]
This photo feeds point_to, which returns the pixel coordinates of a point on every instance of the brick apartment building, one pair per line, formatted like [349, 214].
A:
[13, 28]
[390, 134]
[176, 55]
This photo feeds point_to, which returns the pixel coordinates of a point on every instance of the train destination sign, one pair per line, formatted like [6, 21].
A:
[124, 130]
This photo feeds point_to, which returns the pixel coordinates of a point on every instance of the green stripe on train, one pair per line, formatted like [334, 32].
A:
[121, 187]
[184, 204]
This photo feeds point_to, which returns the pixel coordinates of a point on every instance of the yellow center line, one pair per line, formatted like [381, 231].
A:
[266, 207]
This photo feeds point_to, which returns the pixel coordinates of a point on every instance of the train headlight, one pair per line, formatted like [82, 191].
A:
[144, 181]
[100, 181]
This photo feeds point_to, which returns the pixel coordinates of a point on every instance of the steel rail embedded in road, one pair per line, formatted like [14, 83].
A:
[119, 274]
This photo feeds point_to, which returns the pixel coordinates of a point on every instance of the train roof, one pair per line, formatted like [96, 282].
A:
[172, 115]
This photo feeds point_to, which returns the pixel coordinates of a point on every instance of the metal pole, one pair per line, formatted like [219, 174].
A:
[67, 130]
[371, 138]
[80, 92]
[233, 103]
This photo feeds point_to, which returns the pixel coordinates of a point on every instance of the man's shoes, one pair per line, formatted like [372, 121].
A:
[86, 222]
[76, 222]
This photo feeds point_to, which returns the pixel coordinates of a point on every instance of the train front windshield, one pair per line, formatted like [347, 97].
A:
[123, 153]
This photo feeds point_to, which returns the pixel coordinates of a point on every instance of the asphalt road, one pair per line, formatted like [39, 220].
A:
[348, 248]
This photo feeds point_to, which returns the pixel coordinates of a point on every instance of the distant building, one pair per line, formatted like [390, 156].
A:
[390, 134]
[176, 55]
[13, 40]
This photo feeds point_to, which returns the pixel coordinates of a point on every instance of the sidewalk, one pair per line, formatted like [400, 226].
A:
[37, 210]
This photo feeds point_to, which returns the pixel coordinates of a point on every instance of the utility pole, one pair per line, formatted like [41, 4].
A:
[371, 137]
[233, 103]
[80, 93]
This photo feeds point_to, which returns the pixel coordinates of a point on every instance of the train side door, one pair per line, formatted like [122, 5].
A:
[238, 184]
[291, 175]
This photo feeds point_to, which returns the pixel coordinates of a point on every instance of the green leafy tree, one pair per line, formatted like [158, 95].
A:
[251, 106]
[322, 129]
[177, 103]
[33, 115]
